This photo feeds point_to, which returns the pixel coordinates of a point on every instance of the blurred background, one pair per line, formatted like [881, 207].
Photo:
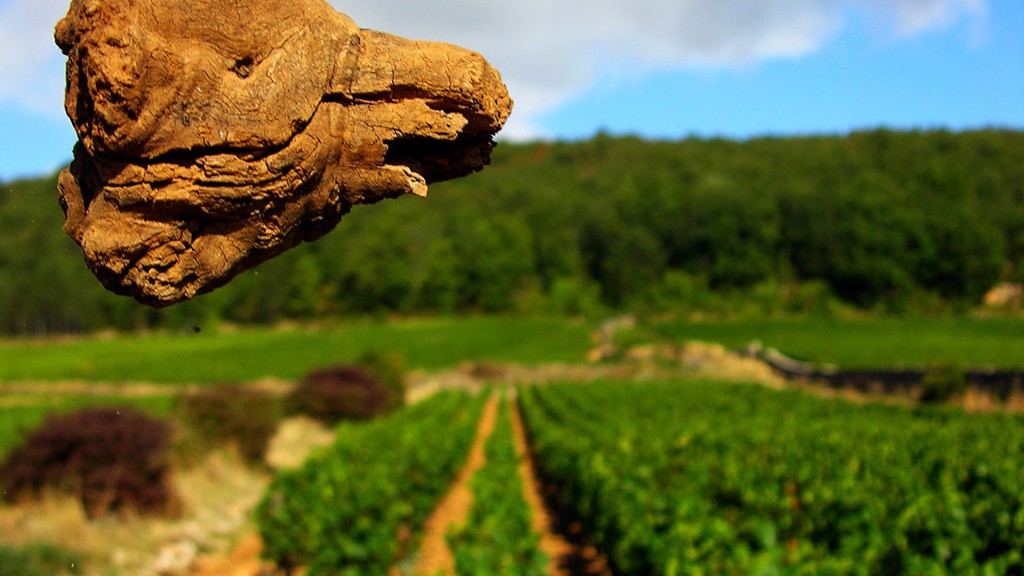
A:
[669, 155]
[684, 189]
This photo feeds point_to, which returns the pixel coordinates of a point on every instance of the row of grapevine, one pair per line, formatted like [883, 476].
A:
[497, 538]
[703, 478]
[348, 509]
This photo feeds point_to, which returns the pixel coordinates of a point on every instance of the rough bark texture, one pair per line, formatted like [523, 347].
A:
[216, 134]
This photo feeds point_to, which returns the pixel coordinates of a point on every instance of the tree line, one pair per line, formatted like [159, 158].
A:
[878, 220]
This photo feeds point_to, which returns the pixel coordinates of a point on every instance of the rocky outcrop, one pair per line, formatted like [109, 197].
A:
[214, 135]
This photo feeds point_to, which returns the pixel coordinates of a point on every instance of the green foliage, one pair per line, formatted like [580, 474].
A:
[233, 414]
[497, 538]
[343, 511]
[882, 219]
[112, 459]
[572, 296]
[709, 478]
[388, 369]
[39, 560]
[495, 254]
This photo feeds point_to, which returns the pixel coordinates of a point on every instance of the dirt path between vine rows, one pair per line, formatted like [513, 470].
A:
[434, 556]
[566, 557]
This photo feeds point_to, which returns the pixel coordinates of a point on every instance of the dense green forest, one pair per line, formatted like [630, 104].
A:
[879, 220]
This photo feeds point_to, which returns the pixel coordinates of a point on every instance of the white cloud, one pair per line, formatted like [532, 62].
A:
[911, 17]
[549, 52]
[546, 51]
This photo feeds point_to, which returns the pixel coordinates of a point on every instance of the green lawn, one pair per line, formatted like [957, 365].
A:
[248, 354]
[875, 342]
[221, 356]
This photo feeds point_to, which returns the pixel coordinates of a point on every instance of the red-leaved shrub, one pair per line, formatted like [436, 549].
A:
[113, 459]
[340, 393]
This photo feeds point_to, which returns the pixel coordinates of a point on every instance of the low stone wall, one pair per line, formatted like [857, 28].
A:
[1000, 384]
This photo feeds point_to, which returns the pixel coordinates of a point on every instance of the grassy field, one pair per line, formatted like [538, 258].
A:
[874, 342]
[248, 354]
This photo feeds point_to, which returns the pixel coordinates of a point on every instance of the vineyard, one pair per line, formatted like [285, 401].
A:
[348, 510]
[497, 537]
[670, 478]
[673, 477]
[700, 478]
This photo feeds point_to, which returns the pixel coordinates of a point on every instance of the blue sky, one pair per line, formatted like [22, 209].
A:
[958, 77]
[655, 68]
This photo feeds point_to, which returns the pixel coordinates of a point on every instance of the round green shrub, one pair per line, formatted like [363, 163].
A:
[234, 414]
[39, 560]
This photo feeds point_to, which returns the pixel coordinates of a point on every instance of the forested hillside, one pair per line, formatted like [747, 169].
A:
[880, 220]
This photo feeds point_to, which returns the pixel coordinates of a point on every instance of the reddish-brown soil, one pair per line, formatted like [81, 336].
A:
[559, 539]
[434, 556]
[244, 560]
[566, 554]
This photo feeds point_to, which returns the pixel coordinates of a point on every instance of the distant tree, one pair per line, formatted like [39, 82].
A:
[495, 254]
[873, 218]
[966, 256]
[302, 289]
[436, 279]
